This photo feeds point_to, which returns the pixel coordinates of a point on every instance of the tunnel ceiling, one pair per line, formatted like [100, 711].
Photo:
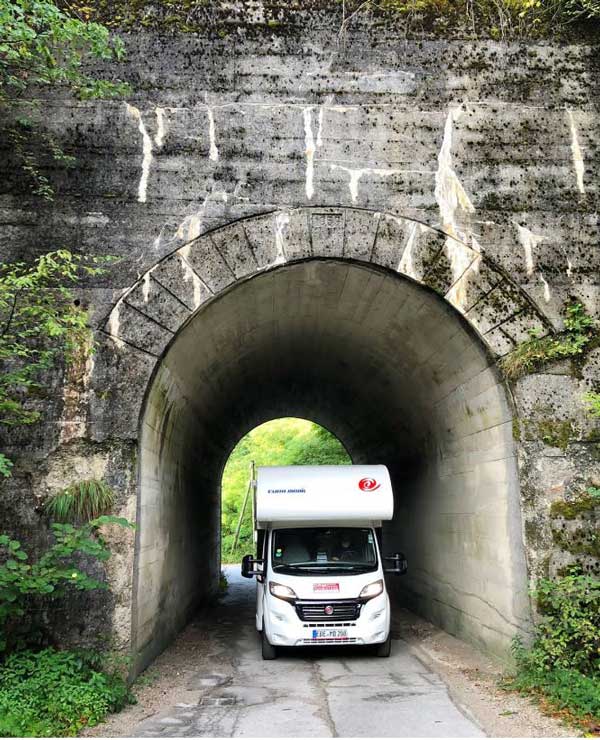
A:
[365, 353]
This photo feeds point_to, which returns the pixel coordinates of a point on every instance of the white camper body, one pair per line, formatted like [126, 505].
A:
[319, 568]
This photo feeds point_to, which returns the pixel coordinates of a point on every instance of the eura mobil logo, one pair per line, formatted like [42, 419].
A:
[368, 484]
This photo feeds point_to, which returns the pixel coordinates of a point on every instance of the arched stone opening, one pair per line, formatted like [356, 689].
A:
[398, 375]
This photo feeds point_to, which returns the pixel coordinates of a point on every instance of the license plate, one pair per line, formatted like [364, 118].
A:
[329, 634]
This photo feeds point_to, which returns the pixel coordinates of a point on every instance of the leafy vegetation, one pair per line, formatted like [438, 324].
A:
[42, 45]
[24, 585]
[57, 693]
[281, 442]
[562, 667]
[46, 692]
[580, 329]
[40, 319]
[81, 501]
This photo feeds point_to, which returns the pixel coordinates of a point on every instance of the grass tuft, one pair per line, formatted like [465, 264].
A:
[81, 502]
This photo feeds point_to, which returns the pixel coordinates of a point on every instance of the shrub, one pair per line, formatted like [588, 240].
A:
[533, 354]
[53, 575]
[568, 634]
[56, 693]
[562, 666]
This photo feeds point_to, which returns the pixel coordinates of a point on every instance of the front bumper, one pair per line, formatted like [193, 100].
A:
[284, 628]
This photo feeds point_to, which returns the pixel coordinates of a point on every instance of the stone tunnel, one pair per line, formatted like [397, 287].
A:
[355, 231]
[315, 324]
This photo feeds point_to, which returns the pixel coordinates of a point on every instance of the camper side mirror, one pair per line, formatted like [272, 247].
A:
[400, 566]
[252, 566]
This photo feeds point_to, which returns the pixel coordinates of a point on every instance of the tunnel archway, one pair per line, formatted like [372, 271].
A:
[282, 441]
[396, 373]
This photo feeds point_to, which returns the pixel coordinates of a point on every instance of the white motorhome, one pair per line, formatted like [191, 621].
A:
[319, 567]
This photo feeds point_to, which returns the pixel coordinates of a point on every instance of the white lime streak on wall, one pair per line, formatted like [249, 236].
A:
[136, 114]
[452, 200]
[406, 264]
[114, 325]
[161, 128]
[320, 128]
[309, 141]
[576, 152]
[189, 275]
[191, 226]
[281, 222]
[462, 259]
[529, 241]
[213, 151]
[546, 288]
[146, 286]
[357, 174]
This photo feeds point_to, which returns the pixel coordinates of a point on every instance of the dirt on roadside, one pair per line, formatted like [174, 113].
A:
[472, 679]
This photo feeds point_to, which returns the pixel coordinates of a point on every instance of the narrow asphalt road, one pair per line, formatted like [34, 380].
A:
[325, 692]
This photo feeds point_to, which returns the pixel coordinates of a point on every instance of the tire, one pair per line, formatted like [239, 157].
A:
[269, 652]
[384, 649]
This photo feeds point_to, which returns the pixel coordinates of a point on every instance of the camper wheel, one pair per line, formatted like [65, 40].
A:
[384, 649]
[269, 652]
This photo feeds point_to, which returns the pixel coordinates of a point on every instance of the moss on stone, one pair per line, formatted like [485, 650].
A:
[552, 432]
[516, 429]
[583, 504]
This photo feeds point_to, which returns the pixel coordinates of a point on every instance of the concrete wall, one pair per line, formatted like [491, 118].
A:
[475, 161]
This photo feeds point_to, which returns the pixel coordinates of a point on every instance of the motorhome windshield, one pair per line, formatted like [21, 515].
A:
[323, 550]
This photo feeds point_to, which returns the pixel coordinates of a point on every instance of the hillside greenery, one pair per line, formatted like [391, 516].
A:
[287, 441]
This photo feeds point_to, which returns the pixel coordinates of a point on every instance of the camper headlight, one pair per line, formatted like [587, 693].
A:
[282, 592]
[372, 590]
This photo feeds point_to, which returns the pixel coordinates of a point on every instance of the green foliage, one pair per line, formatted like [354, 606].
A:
[280, 442]
[593, 402]
[567, 636]
[39, 320]
[53, 575]
[81, 501]
[56, 693]
[562, 667]
[561, 689]
[529, 356]
[43, 45]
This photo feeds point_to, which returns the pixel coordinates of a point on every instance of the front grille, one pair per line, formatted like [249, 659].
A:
[343, 610]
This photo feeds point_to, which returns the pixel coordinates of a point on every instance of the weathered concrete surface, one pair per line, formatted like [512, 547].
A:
[474, 161]
[334, 693]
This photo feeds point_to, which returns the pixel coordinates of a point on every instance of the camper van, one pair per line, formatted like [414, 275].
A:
[318, 565]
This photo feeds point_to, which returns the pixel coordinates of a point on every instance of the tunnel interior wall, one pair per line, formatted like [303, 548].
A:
[399, 377]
